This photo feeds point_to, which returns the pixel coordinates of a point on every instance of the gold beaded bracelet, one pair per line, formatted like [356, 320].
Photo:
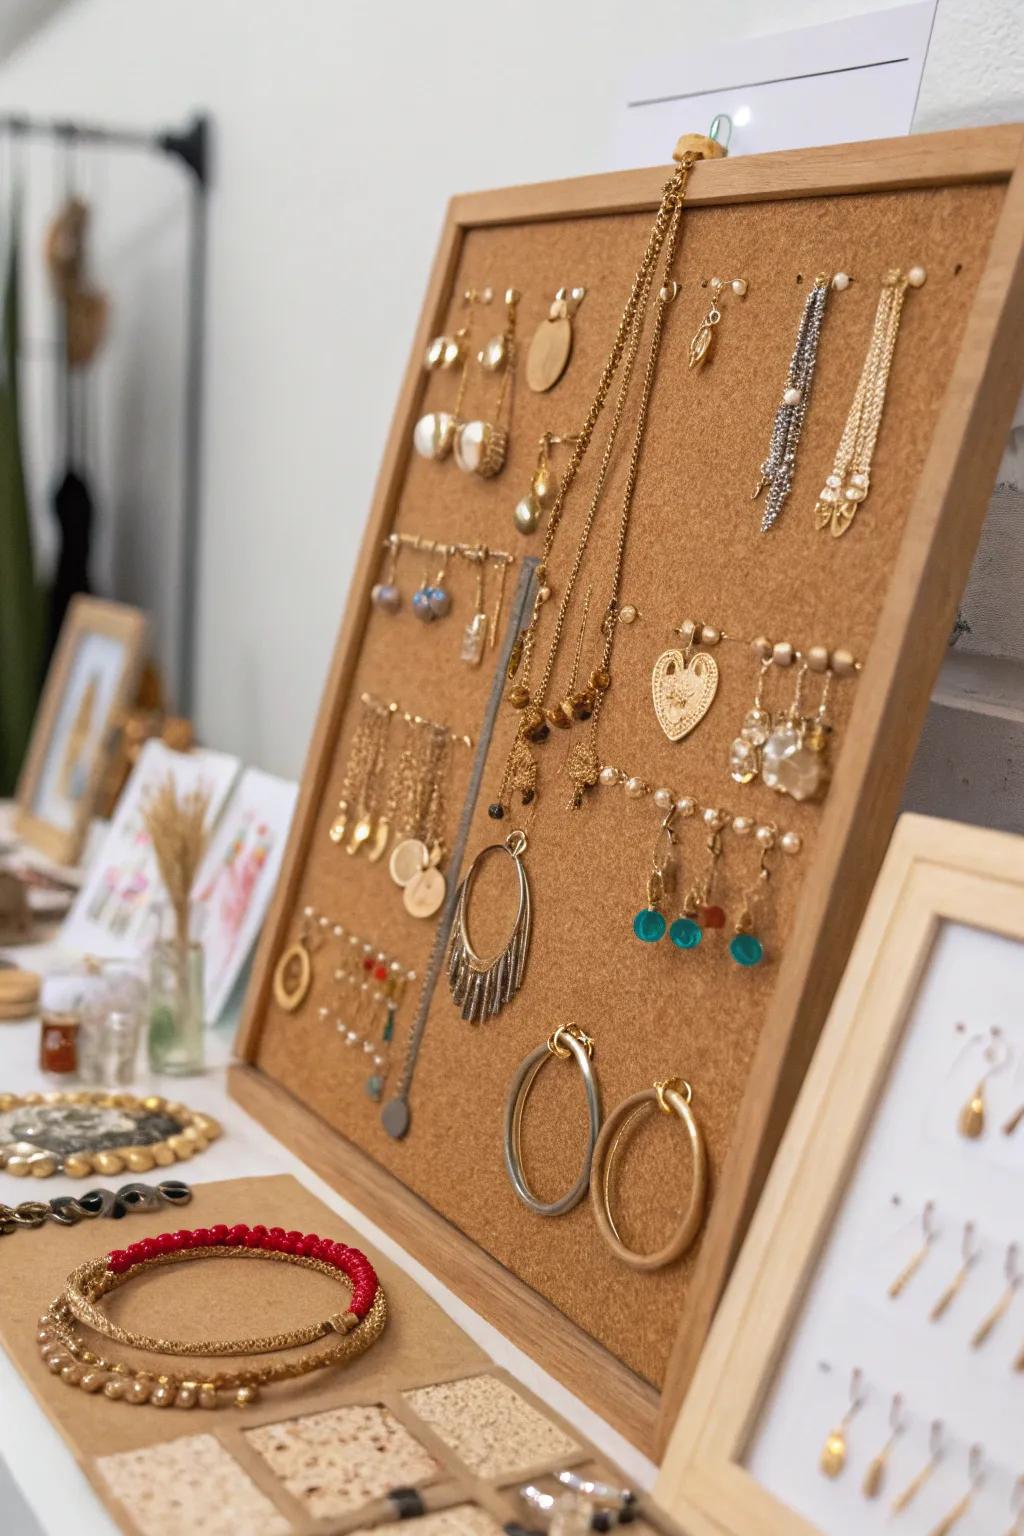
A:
[33, 1159]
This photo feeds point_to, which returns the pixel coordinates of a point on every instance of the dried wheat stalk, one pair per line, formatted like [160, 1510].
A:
[177, 829]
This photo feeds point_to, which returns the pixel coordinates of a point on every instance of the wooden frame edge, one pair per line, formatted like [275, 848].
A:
[702, 1482]
[519, 1312]
[84, 614]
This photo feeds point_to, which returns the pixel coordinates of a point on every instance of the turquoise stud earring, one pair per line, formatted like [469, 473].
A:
[649, 923]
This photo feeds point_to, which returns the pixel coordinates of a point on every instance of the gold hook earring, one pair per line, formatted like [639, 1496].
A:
[969, 1255]
[975, 1473]
[913, 1488]
[702, 345]
[1002, 1306]
[971, 1120]
[833, 1453]
[911, 1268]
[874, 1477]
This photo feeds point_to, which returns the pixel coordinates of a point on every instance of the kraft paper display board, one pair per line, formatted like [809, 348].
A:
[810, 1298]
[887, 591]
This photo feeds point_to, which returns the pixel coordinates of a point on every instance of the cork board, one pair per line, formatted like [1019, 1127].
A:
[886, 592]
[423, 1407]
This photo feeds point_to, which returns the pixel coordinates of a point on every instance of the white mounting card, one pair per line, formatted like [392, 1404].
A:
[915, 1154]
[829, 84]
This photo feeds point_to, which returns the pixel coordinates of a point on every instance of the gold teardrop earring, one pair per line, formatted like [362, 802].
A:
[910, 1269]
[703, 344]
[972, 1117]
[834, 1451]
[917, 1482]
[434, 434]
[543, 486]
[480, 446]
[1013, 1283]
[874, 1477]
[969, 1255]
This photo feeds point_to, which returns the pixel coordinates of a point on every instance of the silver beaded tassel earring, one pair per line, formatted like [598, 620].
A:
[777, 469]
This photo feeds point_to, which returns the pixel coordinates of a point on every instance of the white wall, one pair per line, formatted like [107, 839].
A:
[342, 126]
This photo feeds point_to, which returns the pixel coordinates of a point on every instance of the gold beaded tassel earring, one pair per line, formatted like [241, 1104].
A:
[434, 434]
[850, 480]
[703, 344]
[480, 446]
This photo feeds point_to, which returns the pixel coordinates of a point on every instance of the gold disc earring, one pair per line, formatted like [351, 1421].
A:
[551, 346]
[874, 1477]
[910, 1269]
[917, 1482]
[834, 1451]
[703, 343]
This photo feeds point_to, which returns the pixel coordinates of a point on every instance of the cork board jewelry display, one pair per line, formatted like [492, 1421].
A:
[423, 1409]
[682, 864]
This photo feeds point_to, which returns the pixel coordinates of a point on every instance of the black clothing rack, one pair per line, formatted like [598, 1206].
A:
[190, 147]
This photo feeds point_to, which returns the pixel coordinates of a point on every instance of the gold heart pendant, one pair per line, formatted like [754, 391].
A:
[683, 691]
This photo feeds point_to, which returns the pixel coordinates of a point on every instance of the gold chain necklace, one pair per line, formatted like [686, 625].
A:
[534, 720]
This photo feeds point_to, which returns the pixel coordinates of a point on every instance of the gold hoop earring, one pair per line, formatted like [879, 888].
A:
[671, 1097]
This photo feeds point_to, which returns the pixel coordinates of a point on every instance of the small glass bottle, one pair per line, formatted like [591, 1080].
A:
[176, 1024]
[58, 1043]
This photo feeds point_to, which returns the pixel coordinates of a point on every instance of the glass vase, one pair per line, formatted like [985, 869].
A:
[176, 1024]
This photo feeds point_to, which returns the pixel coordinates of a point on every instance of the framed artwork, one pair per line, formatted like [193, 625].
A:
[865, 1371]
[114, 910]
[90, 684]
[237, 878]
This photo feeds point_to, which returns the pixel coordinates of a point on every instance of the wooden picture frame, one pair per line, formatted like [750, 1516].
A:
[54, 802]
[936, 873]
[916, 614]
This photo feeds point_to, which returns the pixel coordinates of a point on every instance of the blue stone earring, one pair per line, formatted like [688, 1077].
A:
[385, 595]
[649, 923]
[745, 947]
[438, 595]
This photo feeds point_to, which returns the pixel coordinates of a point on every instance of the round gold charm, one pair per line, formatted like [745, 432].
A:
[424, 895]
[548, 356]
[409, 858]
[292, 976]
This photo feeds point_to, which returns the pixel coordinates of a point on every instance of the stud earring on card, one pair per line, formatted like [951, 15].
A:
[917, 1482]
[703, 343]
[910, 1269]
[969, 1254]
[1003, 1305]
[975, 1474]
[874, 1477]
[551, 347]
[834, 1452]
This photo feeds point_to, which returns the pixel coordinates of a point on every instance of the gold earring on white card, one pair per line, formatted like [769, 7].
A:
[917, 1482]
[834, 1452]
[910, 1269]
[969, 1254]
[874, 1477]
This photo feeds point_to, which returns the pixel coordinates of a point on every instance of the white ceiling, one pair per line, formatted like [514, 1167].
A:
[20, 18]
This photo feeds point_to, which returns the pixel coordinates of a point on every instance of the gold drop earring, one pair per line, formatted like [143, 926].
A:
[543, 486]
[834, 1451]
[684, 684]
[745, 947]
[434, 434]
[551, 346]
[971, 1119]
[874, 1477]
[1017, 1508]
[969, 1255]
[1013, 1283]
[480, 446]
[917, 1482]
[975, 1474]
[649, 923]
[703, 343]
[910, 1269]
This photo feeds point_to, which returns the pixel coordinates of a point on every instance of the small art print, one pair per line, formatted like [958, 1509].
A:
[237, 878]
[115, 911]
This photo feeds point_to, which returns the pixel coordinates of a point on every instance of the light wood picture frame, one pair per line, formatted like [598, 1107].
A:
[937, 875]
[919, 592]
[89, 687]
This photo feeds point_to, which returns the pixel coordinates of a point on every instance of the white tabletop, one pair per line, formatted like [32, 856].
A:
[40, 1464]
